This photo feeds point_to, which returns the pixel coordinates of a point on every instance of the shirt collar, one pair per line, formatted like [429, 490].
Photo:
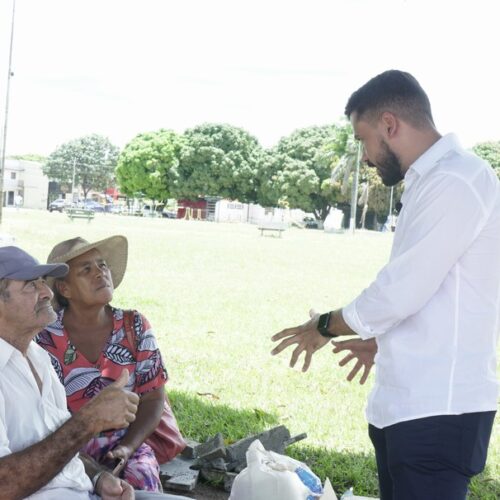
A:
[6, 352]
[429, 158]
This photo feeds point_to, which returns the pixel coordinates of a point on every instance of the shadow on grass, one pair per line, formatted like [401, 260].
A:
[201, 417]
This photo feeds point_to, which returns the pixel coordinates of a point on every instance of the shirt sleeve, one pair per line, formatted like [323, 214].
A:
[449, 216]
[4, 440]
[150, 370]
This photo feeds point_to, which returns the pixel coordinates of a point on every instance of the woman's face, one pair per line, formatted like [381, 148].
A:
[88, 281]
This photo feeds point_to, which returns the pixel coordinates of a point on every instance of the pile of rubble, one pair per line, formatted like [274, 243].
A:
[214, 461]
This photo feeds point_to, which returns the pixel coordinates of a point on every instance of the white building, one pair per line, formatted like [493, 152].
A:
[26, 179]
[234, 211]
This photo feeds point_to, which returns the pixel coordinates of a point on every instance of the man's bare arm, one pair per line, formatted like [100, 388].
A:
[43, 461]
[113, 408]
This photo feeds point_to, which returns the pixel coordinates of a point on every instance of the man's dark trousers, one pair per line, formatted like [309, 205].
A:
[431, 458]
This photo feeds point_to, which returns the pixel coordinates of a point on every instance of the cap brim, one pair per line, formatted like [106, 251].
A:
[34, 272]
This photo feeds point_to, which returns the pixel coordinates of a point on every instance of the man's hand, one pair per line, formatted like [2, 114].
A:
[306, 337]
[113, 408]
[109, 487]
[362, 350]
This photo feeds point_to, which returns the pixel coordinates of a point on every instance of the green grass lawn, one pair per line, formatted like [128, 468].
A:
[215, 294]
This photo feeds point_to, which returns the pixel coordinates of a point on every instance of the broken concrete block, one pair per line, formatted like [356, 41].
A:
[274, 439]
[213, 448]
[178, 475]
[228, 481]
[190, 449]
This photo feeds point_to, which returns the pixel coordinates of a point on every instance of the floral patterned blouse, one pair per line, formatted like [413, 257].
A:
[83, 379]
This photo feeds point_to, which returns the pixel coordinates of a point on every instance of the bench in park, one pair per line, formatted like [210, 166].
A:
[80, 213]
[277, 227]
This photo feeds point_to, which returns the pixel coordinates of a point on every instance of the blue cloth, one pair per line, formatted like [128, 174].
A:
[431, 458]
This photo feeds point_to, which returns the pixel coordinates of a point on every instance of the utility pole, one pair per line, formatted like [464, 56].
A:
[4, 135]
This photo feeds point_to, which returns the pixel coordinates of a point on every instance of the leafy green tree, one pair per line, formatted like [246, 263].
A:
[218, 160]
[92, 159]
[149, 164]
[489, 151]
[342, 153]
[295, 174]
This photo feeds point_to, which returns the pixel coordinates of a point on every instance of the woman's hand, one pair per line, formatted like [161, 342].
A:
[121, 454]
[362, 350]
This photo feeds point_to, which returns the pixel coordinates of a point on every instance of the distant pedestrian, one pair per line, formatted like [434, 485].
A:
[18, 201]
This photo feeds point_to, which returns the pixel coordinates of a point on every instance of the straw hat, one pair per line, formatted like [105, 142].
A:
[113, 249]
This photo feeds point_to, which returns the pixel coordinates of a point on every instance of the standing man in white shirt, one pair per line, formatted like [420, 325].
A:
[39, 439]
[430, 319]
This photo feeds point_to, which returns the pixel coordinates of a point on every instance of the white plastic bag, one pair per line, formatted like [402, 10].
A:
[271, 476]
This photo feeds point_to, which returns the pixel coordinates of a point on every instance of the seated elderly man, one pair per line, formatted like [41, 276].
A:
[39, 440]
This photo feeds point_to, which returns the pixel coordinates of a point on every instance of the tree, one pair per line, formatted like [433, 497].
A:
[343, 156]
[293, 174]
[149, 164]
[342, 153]
[489, 151]
[218, 160]
[91, 159]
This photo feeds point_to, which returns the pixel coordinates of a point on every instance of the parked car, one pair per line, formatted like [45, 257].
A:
[169, 214]
[60, 204]
[310, 222]
[93, 205]
[115, 209]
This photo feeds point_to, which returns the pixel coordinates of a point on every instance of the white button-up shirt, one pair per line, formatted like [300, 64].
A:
[27, 417]
[434, 308]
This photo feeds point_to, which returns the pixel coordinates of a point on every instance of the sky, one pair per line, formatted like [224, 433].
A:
[122, 67]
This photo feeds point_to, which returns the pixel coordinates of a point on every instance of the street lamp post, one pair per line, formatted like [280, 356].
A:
[73, 200]
[4, 135]
[390, 201]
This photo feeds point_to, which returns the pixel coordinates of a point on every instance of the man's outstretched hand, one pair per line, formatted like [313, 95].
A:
[307, 338]
[363, 351]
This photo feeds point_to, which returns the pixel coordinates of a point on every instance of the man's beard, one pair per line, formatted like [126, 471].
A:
[388, 166]
[45, 307]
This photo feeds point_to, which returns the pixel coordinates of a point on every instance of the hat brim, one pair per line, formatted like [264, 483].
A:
[114, 250]
[31, 273]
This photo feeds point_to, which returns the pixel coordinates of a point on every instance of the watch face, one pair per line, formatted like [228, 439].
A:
[323, 322]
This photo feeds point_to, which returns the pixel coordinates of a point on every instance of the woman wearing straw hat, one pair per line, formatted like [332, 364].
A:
[89, 346]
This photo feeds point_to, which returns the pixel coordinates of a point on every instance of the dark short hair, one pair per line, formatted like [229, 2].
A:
[395, 91]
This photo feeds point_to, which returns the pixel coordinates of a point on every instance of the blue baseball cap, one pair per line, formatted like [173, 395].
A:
[16, 264]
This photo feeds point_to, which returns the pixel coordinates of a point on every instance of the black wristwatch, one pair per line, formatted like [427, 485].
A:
[323, 322]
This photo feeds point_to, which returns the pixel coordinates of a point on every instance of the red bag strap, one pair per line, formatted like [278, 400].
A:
[128, 325]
